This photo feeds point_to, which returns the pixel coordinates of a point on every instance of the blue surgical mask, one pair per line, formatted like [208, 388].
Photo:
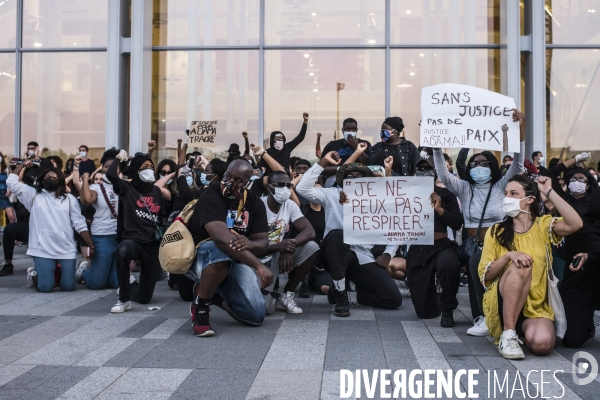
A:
[203, 179]
[189, 180]
[385, 135]
[481, 174]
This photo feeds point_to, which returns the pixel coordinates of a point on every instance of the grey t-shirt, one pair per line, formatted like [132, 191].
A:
[104, 223]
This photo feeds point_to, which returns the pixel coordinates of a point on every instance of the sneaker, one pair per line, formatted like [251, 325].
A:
[195, 301]
[286, 303]
[7, 269]
[303, 292]
[447, 320]
[509, 346]
[342, 304]
[479, 328]
[464, 281]
[132, 279]
[331, 295]
[31, 273]
[79, 273]
[121, 307]
[201, 325]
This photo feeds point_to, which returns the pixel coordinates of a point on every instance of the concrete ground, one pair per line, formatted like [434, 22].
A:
[67, 345]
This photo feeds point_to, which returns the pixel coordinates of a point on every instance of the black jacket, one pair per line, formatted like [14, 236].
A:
[409, 155]
[283, 156]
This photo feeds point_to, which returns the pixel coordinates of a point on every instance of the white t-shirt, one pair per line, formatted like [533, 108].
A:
[279, 223]
[104, 223]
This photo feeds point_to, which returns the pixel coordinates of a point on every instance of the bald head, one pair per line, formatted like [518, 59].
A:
[240, 169]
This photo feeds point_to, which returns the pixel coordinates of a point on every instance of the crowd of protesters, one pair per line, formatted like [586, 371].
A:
[500, 229]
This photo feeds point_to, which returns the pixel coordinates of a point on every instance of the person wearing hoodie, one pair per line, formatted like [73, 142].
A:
[54, 213]
[138, 231]
[404, 152]
[281, 149]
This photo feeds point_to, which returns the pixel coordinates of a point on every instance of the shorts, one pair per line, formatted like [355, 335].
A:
[5, 203]
[207, 254]
[520, 319]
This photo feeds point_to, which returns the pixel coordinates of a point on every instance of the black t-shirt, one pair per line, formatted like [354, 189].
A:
[317, 220]
[343, 148]
[452, 215]
[139, 222]
[542, 171]
[212, 206]
[88, 166]
[389, 150]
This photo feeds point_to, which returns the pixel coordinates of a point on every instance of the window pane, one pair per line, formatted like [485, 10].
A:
[445, 21]
[65, 23]
[64, 102]
[570, 21]
[206, 22]
[205, 86]
[324, 22]
[8, 24]
[7, 104]
[296, 83]
[415, 69]
[573, 101]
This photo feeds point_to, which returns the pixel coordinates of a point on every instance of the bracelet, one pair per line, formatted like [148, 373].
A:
[548, 194]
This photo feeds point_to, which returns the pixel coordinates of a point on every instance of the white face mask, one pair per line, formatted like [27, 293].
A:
[541, 159]
[423, 154]
[577, 188]
[105, 179]
[282, 194]
[347, 134]
[512, 207]
[83, 154]
[147, 175]
[31, 153]
[278, 144]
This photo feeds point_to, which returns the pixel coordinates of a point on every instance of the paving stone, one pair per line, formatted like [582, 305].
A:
[28, 381]
[133, 353]
[216, 384]
[13, 324]
[61, 382]
[93, 384]
[143, 327]
[11, 371]
[299, 385]
[354, 345]
[166, 329]
[146, 383]
[105, 352]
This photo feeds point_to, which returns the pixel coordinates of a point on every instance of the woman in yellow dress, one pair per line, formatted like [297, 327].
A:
[513, 267]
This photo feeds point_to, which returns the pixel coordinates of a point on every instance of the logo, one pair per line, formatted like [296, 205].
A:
[589, 366]
[171, 237]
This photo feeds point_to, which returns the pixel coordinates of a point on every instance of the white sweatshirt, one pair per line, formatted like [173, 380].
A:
[51, 222]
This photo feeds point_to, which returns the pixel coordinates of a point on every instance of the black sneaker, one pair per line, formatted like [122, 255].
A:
[342, 304]
[464, 281]
[201, 325]
[447, 320]
[7, 269]
[331, 295]
[303, 292]
[194, 304]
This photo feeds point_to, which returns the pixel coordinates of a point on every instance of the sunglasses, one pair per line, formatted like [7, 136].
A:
[474, 164]
[581, 180]
[164, 172]
[288, 185]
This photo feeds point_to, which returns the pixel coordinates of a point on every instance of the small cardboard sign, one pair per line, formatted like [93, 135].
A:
[202, 134]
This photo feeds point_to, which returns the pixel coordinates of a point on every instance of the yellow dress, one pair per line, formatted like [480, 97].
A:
[535, 242]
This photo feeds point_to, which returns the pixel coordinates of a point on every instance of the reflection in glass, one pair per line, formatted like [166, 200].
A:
[572, 22]
[414, 69]
[64, 101]
[573, 102]
[65, 23]
[307, 22]
[7, 103]
[306, 81]
[204, 86]
[205, 22]
[8, 24]
[445, 22]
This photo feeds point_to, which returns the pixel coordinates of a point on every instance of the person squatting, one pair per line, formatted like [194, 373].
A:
[498, 229]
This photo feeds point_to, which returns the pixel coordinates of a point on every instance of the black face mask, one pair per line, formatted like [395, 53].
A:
[50, 185]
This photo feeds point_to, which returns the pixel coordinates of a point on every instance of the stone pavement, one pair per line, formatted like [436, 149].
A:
[69, 346]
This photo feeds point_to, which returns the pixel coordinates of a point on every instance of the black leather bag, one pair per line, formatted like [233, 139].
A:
[470, 245]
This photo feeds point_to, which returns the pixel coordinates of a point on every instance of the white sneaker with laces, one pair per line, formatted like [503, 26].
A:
[79, 273]
[286, 303]
[509, 346]
[121, 307]
[31, 272]
[479, 328]
[132, 279]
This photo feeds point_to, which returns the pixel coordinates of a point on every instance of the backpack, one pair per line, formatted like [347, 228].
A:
[177, 249]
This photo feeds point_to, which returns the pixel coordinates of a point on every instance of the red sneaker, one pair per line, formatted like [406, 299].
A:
[201, 325]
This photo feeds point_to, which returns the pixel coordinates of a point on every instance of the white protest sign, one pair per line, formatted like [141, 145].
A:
[202, 133]
[455, 115]
[393, 210]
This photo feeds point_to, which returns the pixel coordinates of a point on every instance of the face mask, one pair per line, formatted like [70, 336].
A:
[423, 154]
[31, 153]
[577, 188]
[228, 192]
[278, 145]
[254, 177]
[189, 180]
[203, 179]
[427, 172]
[512, 207]
[50, 185]
[281, 195]
[385, 135]
[147, 175]
[481, 174]
[105, 179]
[169, 181]
[82, 154]
[347, 134]
[541, 159]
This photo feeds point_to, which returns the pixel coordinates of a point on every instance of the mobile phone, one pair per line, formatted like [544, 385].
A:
[576, 262]
[191, 162]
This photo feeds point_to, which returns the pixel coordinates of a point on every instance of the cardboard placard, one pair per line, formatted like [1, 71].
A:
[393, 210]
[456, 116]
[202, 134]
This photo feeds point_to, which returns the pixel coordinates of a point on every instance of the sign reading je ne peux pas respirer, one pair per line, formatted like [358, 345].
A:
[454, 115]
[393, 210]
[202, 134]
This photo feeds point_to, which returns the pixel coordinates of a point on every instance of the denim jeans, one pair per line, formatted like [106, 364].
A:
[103, 267]
[45, 268]
[239, 289]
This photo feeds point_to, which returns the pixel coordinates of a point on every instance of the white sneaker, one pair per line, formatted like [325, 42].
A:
[132, 279]
[509, 346]
[479, 328]
[286, 303]
[79, 273]
[31, 272]
[121, 307]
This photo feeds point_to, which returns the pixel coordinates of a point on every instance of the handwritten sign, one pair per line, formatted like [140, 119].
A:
[393, 210]
[202, 133]
[455, 115]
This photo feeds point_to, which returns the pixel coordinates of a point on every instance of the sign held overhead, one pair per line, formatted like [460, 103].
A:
[202, 134]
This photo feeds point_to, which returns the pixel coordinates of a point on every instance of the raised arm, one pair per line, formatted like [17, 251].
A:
[162, 183]
[24, 193]
[455, 185]
[183, 150]
[306, 187]
[461, 163]
[87, 196]
[246, 143]
[318, 146]
[448, 210]
[571, 221]
[271, 162]
[112, 174]
[298, 139]
[360, 150]
[151, 146]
